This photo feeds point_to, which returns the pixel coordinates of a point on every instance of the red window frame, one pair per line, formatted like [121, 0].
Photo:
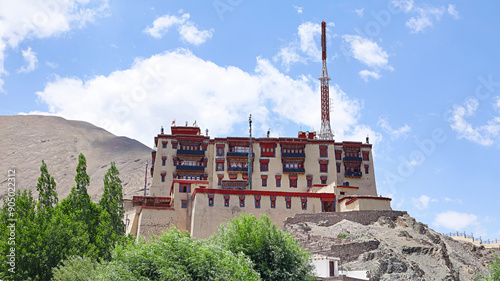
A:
[278, 180]
[288, 202]
[273, 201]
[338, 154]
[293, 181]
[367, 169]
[323, 179]
[163, 177]
[264, 165]
[242, 200]
[264, 180]
[323, 151]
[220, 177]
[323, 166]
[309, 180]
[226, 200]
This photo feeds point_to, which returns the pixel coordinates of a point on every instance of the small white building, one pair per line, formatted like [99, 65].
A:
[325, 266]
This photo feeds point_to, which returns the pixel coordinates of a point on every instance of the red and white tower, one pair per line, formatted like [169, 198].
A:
[326, 131]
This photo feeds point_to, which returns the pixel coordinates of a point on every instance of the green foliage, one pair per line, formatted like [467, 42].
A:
[342, 236]
[172, 256]
[275, 253]
[76, 268]
[493, 271]
[47, 195]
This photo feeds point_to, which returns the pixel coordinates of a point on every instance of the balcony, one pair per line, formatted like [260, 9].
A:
[294, 170]
[237, 169]
[352, 159]
[190, 168]
[353, 174]
[190, 152]
[238, 154]
[293, 155]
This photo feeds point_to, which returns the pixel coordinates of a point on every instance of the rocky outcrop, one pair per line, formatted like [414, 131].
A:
[391, 245]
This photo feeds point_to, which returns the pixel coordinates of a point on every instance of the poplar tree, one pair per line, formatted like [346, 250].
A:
[46, 187]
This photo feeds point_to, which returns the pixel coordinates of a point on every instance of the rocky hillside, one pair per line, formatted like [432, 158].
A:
[27, 140]
[391, 245]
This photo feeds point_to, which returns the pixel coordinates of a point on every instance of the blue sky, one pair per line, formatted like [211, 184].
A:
[421, 78]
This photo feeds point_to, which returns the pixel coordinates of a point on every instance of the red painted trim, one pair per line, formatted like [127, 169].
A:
[345, 186]
[190, 181]
[158, 208]
[353, 199]
[316, 185]
[264, 193]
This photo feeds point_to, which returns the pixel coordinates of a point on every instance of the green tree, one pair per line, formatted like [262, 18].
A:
[46, 187]
[172, 256]
[275, 253]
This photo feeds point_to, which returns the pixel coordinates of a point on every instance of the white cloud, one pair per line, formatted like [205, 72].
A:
[30, 57]
[367, 74]
[425, 14]
[186, 28]
[360, 12]
[52, 64]
[422, 202]
[453, 11]
[300, 10]
[484, 135]
[156, 90]
[448, 200]
[369, 53]
[21, 20]
[306, 47]
[393, 133]
[455, 221]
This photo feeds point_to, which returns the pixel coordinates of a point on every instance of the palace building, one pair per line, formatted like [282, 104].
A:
[200, 182]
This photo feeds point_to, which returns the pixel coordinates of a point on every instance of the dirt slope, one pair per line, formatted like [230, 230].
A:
[26, 140]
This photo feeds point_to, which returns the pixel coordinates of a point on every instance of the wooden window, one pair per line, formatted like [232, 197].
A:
[338, 167]
[164, 160]
[267, 149]
[257, 201]
[366, 156]
[293, 181]
[367, 169]
[303, 201]
[264, 165]
[264, 180]
[184, 204]
[174, 144]
[164, 144]
[210, 200]
[288, 202]
[323, 166]
[323, 151]
[323, 179]
[273, 202]
[278, 180]
[242, 200]
[338, 154]
[220, 165]
[309, 180]
[185, 188]
[220, 149]
[219, 182]
[163, 177]
[226, 200]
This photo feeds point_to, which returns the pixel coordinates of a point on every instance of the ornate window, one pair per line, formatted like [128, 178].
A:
[323, 151]
[257, 201]
[163, 177]
[242, 200]
[164, 144]
[264, 180]
[163, 160]
[323, 166]
[220, 177]
[309, 180]
[303, 203]
[185, 188]
[288, 202]
[226, 200]
[220, 149]
[264, 165]
[293, 181]
[273, 202]
[210, 200]
[220, 164]
[323, 179]
[338, 154]
[278, 180]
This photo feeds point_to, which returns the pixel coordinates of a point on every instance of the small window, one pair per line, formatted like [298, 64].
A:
[185, 188]
[220, 150]
[184, 204]
[367, 169]
[273, 202]
[342, 193]
[323, 166]
[264, 180]
[288, 202]
[309, 181]
[338, 167]
[303, 202]
[264, 165]
[242, 200]
[164, 144]
[293, 181]
[210, 200]
[323, 151]
[174, 144]
[163, 177]
[366, 156]
[163, 161]
[219, 182]
[323, 179]
[257, 201]
[226, 200]
[338, 154]
[278, 180]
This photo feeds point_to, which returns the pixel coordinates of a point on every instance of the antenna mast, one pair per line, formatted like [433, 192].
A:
[250, 153]
[326, 131]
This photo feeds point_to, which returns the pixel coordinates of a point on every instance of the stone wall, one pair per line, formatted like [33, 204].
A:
[328, 219]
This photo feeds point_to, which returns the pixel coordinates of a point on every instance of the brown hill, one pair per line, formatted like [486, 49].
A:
[27, 140]
[391, 245]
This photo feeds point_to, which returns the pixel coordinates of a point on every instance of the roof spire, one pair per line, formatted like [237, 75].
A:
[326, 130]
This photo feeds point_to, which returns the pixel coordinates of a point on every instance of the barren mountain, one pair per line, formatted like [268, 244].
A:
[27, 140]
[391, 245]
